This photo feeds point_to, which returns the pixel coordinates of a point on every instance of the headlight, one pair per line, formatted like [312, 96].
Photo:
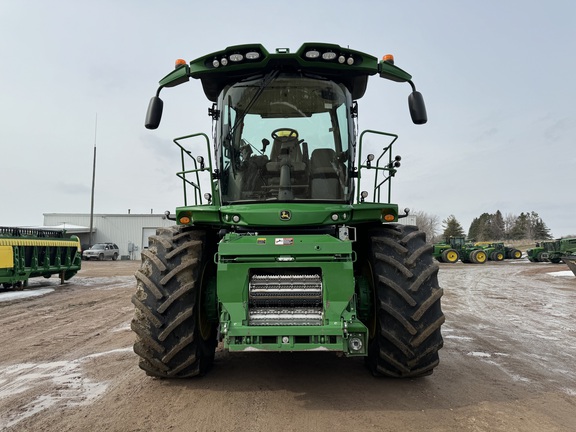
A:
[355, 344]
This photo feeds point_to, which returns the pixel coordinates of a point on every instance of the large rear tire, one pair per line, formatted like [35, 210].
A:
[478, 256]
[174, 338]
[450, 256]
[406, 336]
[497, 256]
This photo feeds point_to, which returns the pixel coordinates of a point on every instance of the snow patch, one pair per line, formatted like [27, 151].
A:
[567, 273]
[467, 338]
[479, 354]
[121, 328]
[66, 386]
[16, 295]
[107, 283]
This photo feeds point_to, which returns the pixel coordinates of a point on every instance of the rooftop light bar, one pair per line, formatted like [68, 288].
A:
[234, 56]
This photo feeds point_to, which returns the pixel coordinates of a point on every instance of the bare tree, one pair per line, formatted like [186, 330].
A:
[427, 223]
[509, 222]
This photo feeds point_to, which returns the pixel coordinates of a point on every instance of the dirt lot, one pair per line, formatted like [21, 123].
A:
[509, 364]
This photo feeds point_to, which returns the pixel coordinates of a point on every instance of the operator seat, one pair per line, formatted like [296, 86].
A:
[286, 146]
[286, 152]
[324, 179]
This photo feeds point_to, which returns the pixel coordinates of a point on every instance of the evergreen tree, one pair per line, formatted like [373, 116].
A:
[484, 228]
[452, 227]
[539, 229]
[520, 229]
[527, 226]
[473, 230]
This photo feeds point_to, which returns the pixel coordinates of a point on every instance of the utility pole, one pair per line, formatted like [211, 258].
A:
[93, 182]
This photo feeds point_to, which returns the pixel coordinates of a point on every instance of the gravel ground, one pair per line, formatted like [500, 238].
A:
[508, 364]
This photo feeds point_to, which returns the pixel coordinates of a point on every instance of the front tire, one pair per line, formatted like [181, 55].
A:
[174, 338]
[406, 333]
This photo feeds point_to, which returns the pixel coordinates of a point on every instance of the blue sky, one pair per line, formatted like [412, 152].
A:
[497, 77]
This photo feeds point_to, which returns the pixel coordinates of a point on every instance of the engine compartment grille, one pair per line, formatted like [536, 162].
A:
[285, 298]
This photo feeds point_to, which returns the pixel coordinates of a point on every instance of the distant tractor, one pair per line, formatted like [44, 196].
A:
[535, 254]
[444, 252]
[456, 248]
[494, 251]
[552, 250]
[512, 253]
[559, 249]
[497, 251]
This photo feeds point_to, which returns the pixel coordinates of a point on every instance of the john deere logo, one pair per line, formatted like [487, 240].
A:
[285, 215]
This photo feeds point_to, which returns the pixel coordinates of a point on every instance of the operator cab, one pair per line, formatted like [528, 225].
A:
[285, 137]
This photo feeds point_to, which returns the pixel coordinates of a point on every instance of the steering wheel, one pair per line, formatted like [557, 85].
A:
[288, 133]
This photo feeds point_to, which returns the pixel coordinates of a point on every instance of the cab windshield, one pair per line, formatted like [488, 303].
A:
[285, 138]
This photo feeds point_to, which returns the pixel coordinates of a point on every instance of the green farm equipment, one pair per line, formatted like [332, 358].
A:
[31, 252]
[560, 248]
[287, 252]
[497, 251]
[535, 254]
[444, 252]
[455, 248]
[546, 249]
[512, 253]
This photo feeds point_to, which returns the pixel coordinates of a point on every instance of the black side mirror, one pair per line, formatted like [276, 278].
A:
[417, 108]
[154, 113]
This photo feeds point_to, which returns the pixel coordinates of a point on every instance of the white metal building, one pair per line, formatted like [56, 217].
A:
[129, 231]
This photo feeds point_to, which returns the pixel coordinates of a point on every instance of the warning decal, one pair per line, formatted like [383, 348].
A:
[284, 241]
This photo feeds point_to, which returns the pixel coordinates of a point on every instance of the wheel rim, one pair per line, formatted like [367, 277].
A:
[481, 257]
[452, 256]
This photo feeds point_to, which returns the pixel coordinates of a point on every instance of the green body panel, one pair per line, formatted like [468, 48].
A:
[239, 256]
[26, 253]
[288, 215]
[439, 248]
[533, 253]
